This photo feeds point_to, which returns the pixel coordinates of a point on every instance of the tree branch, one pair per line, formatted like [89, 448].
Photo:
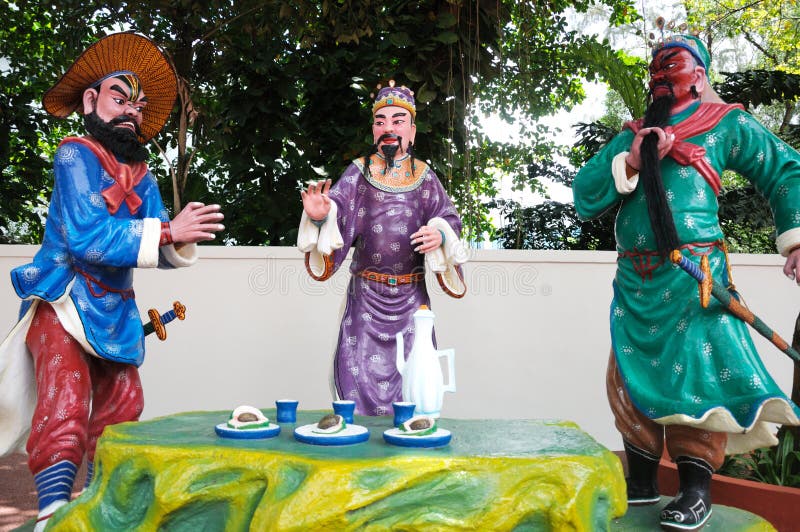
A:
[761, 49]
[230, 21]
[175, 196]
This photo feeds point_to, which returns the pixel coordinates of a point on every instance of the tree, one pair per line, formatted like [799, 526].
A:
[27, 137]
[277, 92]
[744, 215]
[556, 225]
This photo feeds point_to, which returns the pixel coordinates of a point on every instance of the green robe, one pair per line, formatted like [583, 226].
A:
[683, 363]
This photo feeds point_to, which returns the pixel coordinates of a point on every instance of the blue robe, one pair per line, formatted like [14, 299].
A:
[82, 236]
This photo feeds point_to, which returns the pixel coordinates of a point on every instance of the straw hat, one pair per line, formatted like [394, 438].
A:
[119, 52]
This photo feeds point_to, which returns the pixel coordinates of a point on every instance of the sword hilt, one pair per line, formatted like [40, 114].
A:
[158, 322]
[702, 274]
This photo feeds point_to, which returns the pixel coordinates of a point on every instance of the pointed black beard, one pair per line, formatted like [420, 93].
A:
[658, 210]
[123, 143]
[389, 151]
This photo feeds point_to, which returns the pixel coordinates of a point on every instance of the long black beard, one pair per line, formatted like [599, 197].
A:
[122, 142]
[661, 219]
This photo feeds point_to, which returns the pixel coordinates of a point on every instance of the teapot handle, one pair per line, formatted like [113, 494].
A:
[400, 360]
[451, 369]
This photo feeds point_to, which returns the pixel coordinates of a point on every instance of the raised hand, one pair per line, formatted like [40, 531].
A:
[316, 202]
[196, 222]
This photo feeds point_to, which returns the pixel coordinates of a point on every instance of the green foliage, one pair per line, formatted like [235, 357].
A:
[746, 220]
[280, 94]
[552, 225]
[26, 138]
[772, 27]
[591, 137]
[623, 73]
[757, 87]
[779, 465]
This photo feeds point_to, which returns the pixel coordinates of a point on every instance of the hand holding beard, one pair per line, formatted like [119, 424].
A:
[652, 147]
[665, 141]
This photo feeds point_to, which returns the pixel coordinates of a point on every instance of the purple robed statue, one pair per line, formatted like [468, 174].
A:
[395, 212]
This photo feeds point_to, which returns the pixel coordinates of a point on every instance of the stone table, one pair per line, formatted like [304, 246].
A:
[175, 473]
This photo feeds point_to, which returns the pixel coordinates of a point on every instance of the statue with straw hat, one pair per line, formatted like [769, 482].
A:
[69, 367]
[684, 374]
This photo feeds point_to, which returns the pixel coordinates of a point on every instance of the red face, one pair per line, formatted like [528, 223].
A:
[674, 69]
[395, 121]
[118, 98]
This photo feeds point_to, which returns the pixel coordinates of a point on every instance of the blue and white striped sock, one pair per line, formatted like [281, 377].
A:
[89, 474]
[55, 483]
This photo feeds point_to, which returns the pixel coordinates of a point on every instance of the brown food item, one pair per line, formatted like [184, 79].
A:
[419, 424]
[328, 421]
[247, 416]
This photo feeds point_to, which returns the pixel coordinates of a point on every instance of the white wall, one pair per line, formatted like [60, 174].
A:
[531, 336]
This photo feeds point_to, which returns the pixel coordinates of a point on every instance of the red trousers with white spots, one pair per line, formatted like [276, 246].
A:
[78, 394]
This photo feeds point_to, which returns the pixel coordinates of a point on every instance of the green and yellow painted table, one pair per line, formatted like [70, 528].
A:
[175, 473]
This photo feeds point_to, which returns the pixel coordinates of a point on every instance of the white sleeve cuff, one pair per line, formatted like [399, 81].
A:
[307, 234]
[453, 251]
[788, 240]
[148, 246]
[625, 185]
[180, 257]
[324, 239]
[443, 261]
[330, 239]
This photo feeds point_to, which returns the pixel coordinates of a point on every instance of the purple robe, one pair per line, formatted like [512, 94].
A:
[379, 221]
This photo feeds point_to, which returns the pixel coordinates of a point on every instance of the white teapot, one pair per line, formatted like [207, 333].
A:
[423, 382]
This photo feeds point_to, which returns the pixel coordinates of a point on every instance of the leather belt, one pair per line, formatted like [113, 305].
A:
[392, 280]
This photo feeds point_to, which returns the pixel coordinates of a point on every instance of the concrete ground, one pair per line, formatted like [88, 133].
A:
[18, 493]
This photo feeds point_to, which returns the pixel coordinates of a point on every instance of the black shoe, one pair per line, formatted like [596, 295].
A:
[691, 507]
[642, 477]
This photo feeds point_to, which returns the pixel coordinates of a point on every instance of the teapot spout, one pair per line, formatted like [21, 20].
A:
[401, 354]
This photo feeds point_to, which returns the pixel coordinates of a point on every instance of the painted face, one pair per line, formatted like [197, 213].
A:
[675, 69]
[120, 101]
[394, 122]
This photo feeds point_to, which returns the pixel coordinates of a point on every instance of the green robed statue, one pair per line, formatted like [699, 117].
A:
[679, 373]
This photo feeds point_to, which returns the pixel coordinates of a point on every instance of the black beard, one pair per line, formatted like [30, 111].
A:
[390, 150]
[122, 142]
[660, 214]
[658, 112]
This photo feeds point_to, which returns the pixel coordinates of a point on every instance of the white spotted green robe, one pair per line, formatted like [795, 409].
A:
[682, 363]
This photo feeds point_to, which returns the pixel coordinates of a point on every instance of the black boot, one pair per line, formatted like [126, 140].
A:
[691, 507]
[642, 477]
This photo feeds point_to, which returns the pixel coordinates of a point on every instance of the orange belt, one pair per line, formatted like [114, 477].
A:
[392, 280]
